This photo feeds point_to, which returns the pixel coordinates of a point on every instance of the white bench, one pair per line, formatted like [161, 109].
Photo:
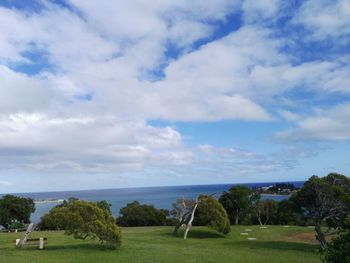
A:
[41, 242]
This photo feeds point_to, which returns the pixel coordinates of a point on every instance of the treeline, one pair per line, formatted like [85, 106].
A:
[245, 206]
[323, 202]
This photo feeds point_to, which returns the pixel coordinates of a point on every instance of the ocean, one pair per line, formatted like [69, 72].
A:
[160, 197]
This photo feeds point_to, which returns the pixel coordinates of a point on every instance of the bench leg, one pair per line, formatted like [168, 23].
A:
[41, 243]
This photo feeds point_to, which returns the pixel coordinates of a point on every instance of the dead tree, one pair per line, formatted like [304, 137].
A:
[184, 210]
[23, 240]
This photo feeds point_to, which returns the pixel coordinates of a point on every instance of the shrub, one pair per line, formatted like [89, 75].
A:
[211, 213]
[338, 250]
[84, 219]
[135, 214]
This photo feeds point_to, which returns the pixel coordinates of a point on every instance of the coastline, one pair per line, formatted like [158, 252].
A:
[48, 201]
[275, 194]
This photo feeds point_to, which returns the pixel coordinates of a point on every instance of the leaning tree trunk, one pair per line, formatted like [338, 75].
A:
[259, 219]
[179, 224]
[320, 236]
[189, 223]
[236, 218]
[267, 219]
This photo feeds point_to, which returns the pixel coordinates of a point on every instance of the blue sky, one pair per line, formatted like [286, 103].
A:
[107, 94]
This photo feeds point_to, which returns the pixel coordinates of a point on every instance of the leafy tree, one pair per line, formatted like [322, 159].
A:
[66, 202]
[285, 213]
[211, 213]
[266, 210]
[338, 250]
[236, 202]
[135, 214]
[104, 205]
[324, 200]
[84, 219]
[14, 209]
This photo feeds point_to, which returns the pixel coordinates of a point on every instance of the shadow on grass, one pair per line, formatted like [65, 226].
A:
[196, 233]
[90, 246]
[278, 245]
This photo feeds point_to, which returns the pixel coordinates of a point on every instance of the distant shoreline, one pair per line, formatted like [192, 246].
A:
[275, 194]
[249, 184]
[48, 201]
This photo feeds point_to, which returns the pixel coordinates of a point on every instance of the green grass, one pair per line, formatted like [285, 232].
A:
[156, 244]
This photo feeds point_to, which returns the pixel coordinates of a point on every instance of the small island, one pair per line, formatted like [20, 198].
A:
[277, 189]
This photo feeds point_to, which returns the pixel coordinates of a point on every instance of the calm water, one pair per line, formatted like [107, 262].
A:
[160, 197]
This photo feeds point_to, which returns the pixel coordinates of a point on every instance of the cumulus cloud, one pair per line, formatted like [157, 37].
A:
[235, 163]
[326, 124]
[258, 10]
[325, 18]
[86, 144]
[20, 92]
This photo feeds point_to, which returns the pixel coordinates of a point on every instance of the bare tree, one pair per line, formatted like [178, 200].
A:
[264, 210]
[208, 212]
[183, 211]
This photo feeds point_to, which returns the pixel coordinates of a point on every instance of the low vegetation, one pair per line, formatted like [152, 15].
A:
[82, 220]
[338, 250]
[156, 244]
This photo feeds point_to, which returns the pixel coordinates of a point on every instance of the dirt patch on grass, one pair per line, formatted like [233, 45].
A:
[303, 237]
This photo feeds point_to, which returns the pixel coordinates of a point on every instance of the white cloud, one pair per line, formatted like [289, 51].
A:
[225, 152]
[5, 183]
[21, 93]
[325, 18]
[11, 45]
[85, 144]
[288, 115]
[326, 124]
[322, 77]
[236, 163]
[258, 10]
[90, 59]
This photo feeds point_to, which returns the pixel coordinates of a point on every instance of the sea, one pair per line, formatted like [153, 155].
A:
[160, 197]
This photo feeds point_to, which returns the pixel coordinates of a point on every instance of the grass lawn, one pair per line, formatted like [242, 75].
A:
[156, 244]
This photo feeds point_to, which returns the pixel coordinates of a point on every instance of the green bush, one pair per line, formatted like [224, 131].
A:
[84, 219]
[16, 225]
[338, 250]
[211, 213]
[135, 214]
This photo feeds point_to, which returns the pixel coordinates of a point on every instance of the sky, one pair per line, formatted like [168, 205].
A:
[108, 94]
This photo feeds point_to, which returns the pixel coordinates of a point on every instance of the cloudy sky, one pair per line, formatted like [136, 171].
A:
[107, 94]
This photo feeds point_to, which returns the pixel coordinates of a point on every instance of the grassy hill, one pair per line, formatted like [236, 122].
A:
[156, 244]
